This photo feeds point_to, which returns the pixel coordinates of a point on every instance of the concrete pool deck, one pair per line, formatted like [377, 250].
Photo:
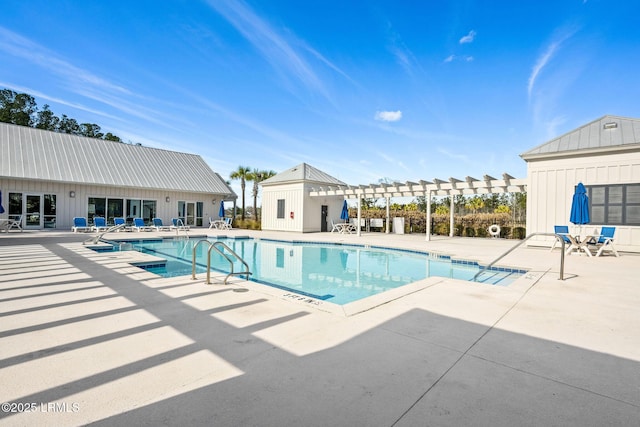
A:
[88, 339]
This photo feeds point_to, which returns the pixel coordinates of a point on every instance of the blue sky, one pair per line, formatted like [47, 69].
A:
[363, 90]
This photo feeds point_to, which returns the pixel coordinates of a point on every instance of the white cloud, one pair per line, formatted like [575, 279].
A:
[388, 116]
[449, 58]
[546, 56]
[468, 38]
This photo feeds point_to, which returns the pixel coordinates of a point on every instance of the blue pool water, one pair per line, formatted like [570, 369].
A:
[331, 272]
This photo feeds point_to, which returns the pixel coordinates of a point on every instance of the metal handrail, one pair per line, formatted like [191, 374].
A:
[180, 226]
[557, 236]
[98, 237]
[214, 246]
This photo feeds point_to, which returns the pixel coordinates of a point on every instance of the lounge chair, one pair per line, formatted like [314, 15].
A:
[159, 226]
[605, 241]
[121, 221]
[139, 225]
[15, 224]
[80, 224]
[563, 230]
[99, 224]
[178, 224]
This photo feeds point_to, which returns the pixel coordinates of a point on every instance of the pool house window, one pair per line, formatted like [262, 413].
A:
[111, 208]
[614, 204]
[280, 209]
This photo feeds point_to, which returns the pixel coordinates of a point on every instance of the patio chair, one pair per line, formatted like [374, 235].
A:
[80, 225]
[178, 224]
[228, 224]
[139, 225]
[121, 221]
[15, 224]
[563, 230]
[99, 224]
[605, 241]
[335, 226]
[159, 226]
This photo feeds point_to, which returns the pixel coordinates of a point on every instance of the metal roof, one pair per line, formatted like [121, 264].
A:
[29, 153]
[305, 173]
[608, 133]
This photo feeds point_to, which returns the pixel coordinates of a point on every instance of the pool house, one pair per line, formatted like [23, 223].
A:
[605, 156]
[48, 178]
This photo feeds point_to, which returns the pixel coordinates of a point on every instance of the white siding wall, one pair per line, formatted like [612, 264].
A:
[293, 194]
[67, 207]
[551, 186]
[307, 210]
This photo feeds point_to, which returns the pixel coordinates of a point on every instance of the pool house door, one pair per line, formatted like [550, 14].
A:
[33, 211]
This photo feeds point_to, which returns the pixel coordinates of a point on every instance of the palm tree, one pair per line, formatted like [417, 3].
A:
[257, 176]
[242, 174]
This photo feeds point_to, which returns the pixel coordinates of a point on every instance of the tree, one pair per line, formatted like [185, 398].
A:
[68, 125]
[257, 176]
[46, 120]
[241, 173]
[17, 108]
[111, 137]
[21, 109]
[90, 130]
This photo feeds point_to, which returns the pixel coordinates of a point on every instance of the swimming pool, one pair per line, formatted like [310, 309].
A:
[329, 272]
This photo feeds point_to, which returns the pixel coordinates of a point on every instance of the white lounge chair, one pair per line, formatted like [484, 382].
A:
[80, 225]
[178, 224]
[99, 224]
[139, 225]
[159, 226]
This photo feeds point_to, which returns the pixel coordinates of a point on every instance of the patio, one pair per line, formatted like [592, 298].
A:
[90, 339]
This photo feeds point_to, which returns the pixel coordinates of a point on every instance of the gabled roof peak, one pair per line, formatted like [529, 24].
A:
[305, 173]
[607, 133]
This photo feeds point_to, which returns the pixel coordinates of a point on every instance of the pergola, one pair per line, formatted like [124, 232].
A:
[437, 187]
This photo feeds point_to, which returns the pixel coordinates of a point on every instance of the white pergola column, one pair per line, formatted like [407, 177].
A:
[451, 207]
[428, 237]
[388, 199]
[359, 212]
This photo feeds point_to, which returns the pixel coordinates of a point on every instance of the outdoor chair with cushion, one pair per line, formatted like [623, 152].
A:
[563, 230]
[99, 224]
[178, 224]
[159, 226]
[605, 241]
[122, 222]
[80, 224]
[139, 225]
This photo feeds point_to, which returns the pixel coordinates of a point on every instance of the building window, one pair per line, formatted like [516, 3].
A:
[614, 204]
[280, 209]
[97, 206]
[49, 211]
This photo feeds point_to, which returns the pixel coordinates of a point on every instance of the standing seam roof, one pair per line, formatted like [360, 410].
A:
[30, 153]
[605, 132]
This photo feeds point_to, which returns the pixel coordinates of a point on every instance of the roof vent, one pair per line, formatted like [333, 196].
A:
[610, 125]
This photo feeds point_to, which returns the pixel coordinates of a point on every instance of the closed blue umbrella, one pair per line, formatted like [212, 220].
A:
[345, 212]
[221, 211]
[1, 208]
[580, 206]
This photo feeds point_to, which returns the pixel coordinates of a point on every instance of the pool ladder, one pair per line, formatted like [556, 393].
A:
[557, 236]
[226, 252]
